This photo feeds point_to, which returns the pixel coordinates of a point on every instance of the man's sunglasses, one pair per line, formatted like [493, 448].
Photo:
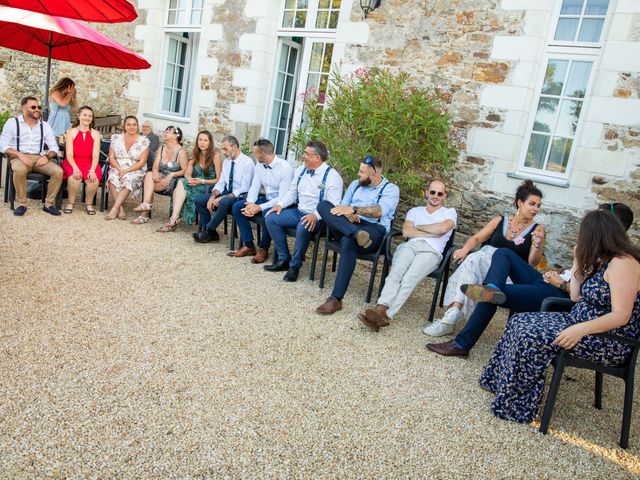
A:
[433, 192]
[35, 107]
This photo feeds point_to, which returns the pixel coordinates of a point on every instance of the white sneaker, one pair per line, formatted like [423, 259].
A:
[444, 325]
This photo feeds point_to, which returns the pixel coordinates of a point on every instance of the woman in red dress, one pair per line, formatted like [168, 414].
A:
[81, 162]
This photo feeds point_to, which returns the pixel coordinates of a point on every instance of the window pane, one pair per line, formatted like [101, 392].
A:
[275, 114]
[301, 19]
[597, 7]
[173, 4]
[289, 4]
[176, 104]
[568, 119]
[578, 78]
[279, 144]
[336, 4]
[168, 78]
[172, 18]
[316, 57]
[287, 20]
[173, 47]
[279, 85]
[303, 4]
[180, 18]
[288, 86]
[554, 77]
[283, 58]
[324, 4]
[537, 151]
[196, 17]
[326, 62]
[166, 100]
[566, 29]
[559, 156]
[197, 4]
[333, 20]
[546, 114]
[590, 30]
[313, 81]
[293, 56]
[322, 19]
[571, 7]
[324, 79]
[284, 116]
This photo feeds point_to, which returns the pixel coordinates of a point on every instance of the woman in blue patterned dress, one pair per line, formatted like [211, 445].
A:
[62, 101]
[605, 282]
[200, 177]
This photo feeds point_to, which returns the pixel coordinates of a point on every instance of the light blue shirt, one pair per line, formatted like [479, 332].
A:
[275, 179]
[389, 196]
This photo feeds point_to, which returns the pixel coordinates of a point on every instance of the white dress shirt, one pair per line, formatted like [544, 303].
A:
[306, 188]
[275, 178]
[30, 140]
[242, 175]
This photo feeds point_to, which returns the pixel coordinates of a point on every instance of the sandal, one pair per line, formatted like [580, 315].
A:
[68, 208]
[140, 220]
[143, 207]
[170, 226]
[111, 215]
[89, 209]
[121, 214]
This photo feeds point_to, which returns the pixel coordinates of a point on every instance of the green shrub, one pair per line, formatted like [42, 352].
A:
[4, 116]
[380, 113]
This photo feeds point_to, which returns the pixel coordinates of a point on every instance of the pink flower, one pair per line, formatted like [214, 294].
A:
[519, 241]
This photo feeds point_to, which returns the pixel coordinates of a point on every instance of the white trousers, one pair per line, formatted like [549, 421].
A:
[412, 261]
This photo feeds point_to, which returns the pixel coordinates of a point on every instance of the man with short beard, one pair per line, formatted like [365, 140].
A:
[23, 140]
[360, 223]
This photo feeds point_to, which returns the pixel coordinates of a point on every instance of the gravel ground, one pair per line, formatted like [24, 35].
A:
[126, 353]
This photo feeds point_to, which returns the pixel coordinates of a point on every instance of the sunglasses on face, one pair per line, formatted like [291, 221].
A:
[35, 107]
[433, 192]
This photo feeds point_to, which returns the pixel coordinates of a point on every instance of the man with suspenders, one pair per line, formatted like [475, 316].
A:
[360, 223]
[312, 182]
[23, 140]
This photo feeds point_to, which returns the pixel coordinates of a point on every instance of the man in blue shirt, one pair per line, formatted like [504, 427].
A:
[360, 223]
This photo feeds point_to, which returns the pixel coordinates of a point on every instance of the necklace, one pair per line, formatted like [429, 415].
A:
[515, 231]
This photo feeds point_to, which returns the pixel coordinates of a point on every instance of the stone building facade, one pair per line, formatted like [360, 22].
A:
[541, 89]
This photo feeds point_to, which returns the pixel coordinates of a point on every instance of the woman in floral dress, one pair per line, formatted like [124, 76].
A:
[128, 164]
[199, 178]
[605, 282]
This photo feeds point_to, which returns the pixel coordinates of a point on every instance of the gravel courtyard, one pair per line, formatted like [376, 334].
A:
[126, 353]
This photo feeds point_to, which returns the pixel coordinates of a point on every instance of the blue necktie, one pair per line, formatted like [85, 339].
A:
[230, 186]
[311, 172]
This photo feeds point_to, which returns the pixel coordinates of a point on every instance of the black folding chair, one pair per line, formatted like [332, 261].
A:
[10, 191]
[374, 257]
[440, 274]
[626, 372]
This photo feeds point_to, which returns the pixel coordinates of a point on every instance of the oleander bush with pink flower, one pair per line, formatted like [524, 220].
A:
[381, 113]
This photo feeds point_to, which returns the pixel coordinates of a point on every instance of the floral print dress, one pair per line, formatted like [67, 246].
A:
[132, 181]
[188, 212]
[516, 371]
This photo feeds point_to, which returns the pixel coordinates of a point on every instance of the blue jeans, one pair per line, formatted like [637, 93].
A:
[344, 231]
[525, 295]
[244, 224]
[277, 225]
[208, 222]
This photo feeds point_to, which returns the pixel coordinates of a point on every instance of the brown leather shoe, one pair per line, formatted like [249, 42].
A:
[368, 323]
[378, 315]
[448, 349]
[329, 307]
[261, 256]
[243, 252]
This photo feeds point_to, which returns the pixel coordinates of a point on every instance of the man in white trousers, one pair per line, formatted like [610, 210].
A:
[428, 230]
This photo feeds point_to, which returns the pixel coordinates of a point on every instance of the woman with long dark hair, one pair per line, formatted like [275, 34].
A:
[517, 232]
[201, 175]
[81, 162]
[605, 283]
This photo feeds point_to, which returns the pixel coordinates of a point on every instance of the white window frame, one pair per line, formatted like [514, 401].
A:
[578, 51]
[188, 11]
[551, 42]
[312, 13]
[187, 81]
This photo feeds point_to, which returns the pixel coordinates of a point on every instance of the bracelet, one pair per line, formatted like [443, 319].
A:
[564, 286]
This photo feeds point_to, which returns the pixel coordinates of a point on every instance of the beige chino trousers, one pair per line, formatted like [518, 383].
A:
[20, 170]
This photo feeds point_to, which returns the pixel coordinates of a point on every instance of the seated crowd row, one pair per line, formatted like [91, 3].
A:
[604, 279]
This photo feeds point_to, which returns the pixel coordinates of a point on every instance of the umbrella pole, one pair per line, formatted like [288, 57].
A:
[45, 113]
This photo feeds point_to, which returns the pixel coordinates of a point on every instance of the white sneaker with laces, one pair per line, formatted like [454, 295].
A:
[444, 325]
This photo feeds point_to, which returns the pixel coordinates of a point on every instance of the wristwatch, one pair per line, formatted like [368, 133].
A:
[355, 210]
[564, 286]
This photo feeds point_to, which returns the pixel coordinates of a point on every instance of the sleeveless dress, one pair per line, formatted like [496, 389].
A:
[165, 168]
[82, 155]
[188, 212]
[132, 181]
[59, 118]
[476, 264]
[516, 371]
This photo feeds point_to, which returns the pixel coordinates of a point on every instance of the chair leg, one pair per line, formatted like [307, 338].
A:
[383, 276]
[334, 263]
[553, 392]
[626, 413]
[372, 278]
[434, 300]
[11, 190]
[314, 258]
[598, 390]
[225, 226]
[6, 181]
[234, 228]
[445, 282]
[323, 269]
